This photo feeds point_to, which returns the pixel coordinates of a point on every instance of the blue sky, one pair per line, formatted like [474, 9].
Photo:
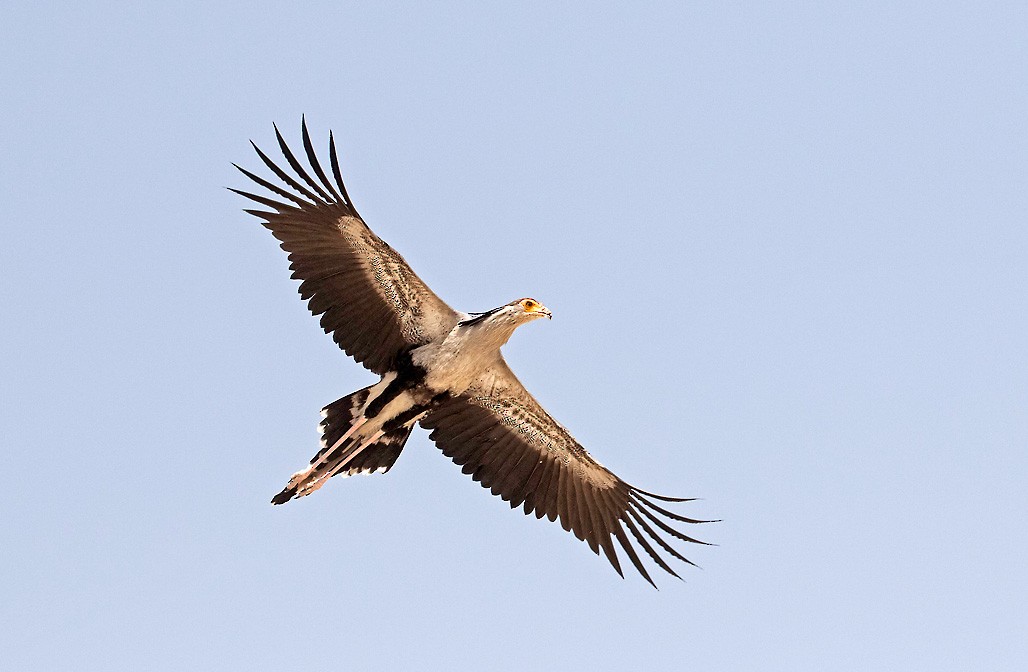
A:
[785, 248]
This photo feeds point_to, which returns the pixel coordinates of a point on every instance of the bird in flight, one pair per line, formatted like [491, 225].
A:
[442, 369]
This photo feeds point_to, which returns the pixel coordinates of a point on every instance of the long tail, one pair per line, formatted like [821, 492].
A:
[343, 450]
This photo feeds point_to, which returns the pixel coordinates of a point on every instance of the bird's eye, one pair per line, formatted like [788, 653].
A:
[529, 305]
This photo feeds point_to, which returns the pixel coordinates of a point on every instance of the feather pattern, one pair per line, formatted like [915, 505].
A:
[370, 300]
[379, 312]
[501, 435]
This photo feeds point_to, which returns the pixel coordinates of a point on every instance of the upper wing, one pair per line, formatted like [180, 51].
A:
[374, 305]
[508, 443]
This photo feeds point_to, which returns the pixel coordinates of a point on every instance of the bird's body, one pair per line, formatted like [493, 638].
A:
[425, 377]
[442, 369]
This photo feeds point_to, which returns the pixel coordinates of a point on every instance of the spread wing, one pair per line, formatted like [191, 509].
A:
[369, 299]
[508, 443]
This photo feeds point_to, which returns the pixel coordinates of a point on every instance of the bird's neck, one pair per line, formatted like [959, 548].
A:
[491, 333]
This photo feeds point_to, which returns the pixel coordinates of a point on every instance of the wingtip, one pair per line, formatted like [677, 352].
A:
[278, 134]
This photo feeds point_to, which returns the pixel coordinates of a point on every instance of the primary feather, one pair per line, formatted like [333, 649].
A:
[440, 368]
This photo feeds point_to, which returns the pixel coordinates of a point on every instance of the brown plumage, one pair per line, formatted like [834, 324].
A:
[443, 369]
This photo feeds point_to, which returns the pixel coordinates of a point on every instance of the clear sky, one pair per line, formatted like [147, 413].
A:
[785, 246]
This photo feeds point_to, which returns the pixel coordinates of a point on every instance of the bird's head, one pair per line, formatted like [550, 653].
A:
[529, 309]
[511, 315]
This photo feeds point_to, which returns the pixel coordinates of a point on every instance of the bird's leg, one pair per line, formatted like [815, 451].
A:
[297, 480]
[325, 454]
[344, 459]
[367, 442]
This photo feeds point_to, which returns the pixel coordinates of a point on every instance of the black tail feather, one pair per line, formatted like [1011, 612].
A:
[345, 458]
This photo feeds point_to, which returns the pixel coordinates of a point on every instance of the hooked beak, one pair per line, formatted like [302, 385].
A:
[545, 311]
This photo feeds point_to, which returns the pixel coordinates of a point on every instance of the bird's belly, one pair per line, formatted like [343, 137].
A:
[452, 377]
[452, 366]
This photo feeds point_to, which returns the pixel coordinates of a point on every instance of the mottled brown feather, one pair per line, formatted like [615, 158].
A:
[376, 308]
[370, 300]
[504, 438]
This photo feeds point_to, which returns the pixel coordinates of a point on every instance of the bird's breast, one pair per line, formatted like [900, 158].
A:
[454, 363]
[453, 370]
